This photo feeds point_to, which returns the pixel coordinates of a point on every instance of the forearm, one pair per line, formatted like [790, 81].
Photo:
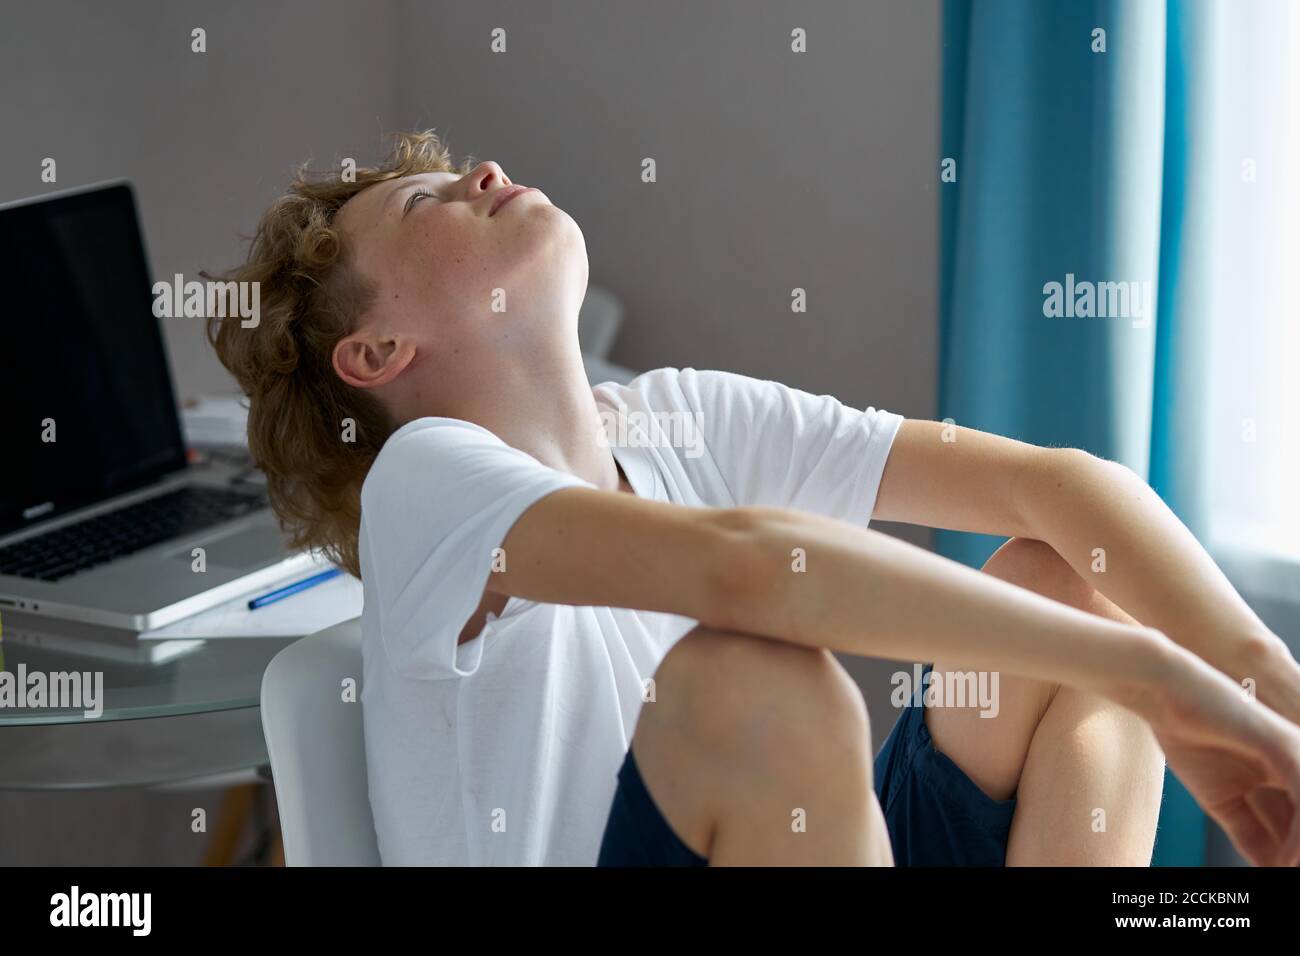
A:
[855, 590]
[862, 592]
[1106, 522]
[1118, 534]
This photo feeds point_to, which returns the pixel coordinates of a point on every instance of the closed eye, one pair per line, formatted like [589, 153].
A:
[414, 197]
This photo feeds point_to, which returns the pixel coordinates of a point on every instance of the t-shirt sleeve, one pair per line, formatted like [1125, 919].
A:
[778, 446]
[437, 503]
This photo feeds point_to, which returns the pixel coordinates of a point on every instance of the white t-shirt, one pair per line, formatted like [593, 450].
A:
[504, 750]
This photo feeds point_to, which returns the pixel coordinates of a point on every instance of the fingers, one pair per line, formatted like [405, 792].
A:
[1273, 808]
[1248, 833]
[1282, 806]
[1290, 855]
[1276, 801]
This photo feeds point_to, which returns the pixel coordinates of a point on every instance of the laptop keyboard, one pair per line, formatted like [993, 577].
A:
[76, 547]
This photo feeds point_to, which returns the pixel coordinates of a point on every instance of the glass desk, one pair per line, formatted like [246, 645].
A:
[194, 715]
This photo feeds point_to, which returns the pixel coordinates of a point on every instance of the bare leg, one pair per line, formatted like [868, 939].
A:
[1087, 773]
[758, 752]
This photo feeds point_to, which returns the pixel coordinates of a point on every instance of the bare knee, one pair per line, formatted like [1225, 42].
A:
[1037, 566]
[761, 699]
[740, 732]
[995, 763]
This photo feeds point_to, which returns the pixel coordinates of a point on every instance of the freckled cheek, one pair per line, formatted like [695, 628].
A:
[447, 259]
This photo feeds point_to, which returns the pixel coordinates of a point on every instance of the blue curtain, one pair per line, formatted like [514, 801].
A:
[1071, 166]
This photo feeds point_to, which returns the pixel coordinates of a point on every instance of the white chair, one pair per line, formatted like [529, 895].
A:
[317, 750]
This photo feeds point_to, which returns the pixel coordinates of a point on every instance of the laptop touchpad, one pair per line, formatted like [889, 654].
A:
[248, 547]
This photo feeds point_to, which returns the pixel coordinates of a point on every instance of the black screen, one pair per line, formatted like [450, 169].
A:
[82, 347]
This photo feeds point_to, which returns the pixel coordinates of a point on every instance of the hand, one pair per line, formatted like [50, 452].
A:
[1236, 756]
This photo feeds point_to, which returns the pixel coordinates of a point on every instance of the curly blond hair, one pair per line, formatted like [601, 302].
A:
[311, 296]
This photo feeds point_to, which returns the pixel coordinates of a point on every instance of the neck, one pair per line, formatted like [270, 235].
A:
[546, 408]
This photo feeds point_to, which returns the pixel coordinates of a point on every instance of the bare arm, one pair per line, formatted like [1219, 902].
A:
[1096, 514]
[865, 593]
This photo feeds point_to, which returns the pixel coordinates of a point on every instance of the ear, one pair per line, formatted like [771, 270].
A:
[366, 360]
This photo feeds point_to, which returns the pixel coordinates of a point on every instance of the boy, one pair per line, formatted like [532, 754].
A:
[535, 592]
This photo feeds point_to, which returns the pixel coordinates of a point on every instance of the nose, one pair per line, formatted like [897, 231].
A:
[485, 177]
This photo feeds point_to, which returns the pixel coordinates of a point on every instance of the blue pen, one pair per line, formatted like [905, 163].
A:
[279, 594]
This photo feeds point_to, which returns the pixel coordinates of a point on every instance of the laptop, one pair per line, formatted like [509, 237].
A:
[99, 512]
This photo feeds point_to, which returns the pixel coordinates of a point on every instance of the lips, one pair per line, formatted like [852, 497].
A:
[505, 195]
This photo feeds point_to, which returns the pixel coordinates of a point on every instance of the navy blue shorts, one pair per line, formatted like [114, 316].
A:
[636, 833]
[935, 814]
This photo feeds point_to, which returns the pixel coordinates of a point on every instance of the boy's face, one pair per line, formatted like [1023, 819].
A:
[438, 261]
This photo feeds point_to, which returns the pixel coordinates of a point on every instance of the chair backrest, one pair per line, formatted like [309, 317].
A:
[317, 749]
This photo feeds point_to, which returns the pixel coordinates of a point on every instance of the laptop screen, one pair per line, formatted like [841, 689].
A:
[85, 393]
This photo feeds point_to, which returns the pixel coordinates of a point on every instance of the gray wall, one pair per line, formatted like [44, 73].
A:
[775, 170]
